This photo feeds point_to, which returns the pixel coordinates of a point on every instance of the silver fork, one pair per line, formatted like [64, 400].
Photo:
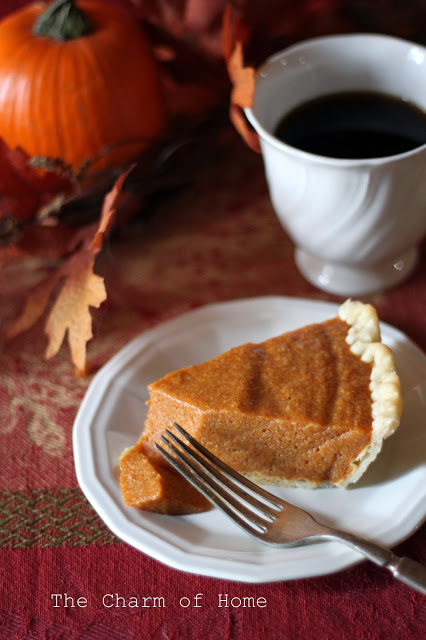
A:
[266, 517]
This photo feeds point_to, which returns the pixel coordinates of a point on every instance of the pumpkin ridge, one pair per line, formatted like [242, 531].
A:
[11, 101]
[97, 136]
[43, 109]
[60, 105]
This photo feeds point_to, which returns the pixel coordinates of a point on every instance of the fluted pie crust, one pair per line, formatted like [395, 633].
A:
[309, 408]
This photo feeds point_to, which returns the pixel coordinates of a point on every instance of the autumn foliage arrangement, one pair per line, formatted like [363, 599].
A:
[81, 100]
[69, 107]
[90, 96]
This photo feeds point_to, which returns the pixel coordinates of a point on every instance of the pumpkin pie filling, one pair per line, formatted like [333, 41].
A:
[296, 409]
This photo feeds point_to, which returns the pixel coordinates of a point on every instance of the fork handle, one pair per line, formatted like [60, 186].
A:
[408, 571]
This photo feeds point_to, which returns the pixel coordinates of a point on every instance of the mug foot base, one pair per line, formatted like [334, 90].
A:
[348, 280]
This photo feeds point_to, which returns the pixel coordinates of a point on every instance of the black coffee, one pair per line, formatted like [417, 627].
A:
[354, 125]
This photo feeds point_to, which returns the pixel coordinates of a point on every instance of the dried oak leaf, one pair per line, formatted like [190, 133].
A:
[243, 81]
[80, 288]
[70, 313]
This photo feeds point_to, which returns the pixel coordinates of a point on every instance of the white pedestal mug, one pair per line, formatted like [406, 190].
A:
[356, 224]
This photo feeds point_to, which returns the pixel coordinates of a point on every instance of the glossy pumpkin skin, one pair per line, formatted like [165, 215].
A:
[96, 98]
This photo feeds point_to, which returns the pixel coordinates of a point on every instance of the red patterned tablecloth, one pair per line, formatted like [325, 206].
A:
[216, 240]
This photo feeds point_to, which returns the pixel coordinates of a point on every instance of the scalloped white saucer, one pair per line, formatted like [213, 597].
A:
[387, 505]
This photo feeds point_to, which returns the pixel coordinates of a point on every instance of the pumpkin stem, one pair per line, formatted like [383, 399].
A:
[63, 20]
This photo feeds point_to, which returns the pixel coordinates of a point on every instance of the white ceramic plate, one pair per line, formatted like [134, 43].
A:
[387, 505]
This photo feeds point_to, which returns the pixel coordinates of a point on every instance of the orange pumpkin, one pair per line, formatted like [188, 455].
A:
[93, 95]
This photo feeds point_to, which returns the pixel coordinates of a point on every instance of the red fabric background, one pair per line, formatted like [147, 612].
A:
[216, 240]
[363, 603]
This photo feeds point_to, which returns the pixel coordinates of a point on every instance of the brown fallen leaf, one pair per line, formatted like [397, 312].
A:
[109, 209]
[242, 78]
[240, 123]
[243, 81]
[80, 288]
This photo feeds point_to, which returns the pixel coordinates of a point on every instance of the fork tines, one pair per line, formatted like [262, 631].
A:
[242, 500]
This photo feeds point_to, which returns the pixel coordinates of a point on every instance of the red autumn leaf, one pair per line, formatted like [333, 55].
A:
[197, 21]
[24, 189]
[41, 241]
[234, 29]
[80, 288]
[186, 37]
[10, 253]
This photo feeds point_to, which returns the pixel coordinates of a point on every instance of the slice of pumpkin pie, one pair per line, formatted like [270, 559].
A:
[309, 408]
